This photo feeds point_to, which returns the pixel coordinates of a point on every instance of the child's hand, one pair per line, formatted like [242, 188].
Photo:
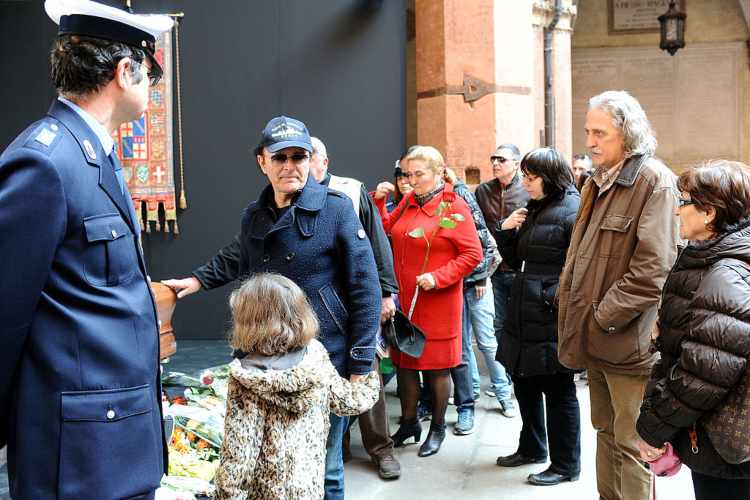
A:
[354, 378]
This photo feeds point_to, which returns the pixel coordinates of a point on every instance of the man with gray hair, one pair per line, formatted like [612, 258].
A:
[622, 247]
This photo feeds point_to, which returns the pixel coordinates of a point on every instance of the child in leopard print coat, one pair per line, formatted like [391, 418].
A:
[281, 391]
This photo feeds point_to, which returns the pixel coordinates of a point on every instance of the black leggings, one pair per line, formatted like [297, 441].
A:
[712, 488]
[408, 389]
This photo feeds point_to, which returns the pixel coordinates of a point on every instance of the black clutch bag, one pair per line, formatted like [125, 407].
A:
[404, 335]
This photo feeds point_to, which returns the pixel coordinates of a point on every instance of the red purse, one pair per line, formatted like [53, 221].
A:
[666, 465]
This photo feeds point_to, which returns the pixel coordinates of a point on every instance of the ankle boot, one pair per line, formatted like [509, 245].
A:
[434, 439]
[407, 429]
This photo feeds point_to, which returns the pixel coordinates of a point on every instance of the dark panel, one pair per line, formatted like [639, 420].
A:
[336, 64]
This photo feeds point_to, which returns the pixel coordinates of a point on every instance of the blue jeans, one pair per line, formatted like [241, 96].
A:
[478, 318]
[334, 480]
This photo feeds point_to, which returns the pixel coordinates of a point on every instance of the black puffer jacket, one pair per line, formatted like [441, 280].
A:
[537, 253]
[704, 340]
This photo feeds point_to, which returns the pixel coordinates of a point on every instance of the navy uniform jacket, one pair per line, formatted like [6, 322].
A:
[79, 389]
[319, 244]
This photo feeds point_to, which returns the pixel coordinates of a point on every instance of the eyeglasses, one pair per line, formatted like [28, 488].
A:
[154, 76]
[154, 73]
[499, 159]
[296, 158]
[683, 202]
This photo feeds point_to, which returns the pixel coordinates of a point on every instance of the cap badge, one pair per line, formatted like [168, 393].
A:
[89, 149]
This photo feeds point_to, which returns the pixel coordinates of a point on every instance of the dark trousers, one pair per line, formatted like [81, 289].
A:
[563, 420]
[710, 488]
[373, 425]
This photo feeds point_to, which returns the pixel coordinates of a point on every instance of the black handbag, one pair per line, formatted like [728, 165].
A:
[404, 335]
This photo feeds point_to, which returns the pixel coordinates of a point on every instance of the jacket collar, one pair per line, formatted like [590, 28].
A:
[310, 199]
[630, 170]
[81, 132]
[89, 142]
[447, 195]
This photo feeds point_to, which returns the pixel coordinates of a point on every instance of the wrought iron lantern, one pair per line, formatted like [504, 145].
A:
[672, 24]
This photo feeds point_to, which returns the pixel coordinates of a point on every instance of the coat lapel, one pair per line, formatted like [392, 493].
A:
[89, 143]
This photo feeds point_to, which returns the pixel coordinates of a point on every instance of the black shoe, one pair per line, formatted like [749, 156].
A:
[550, 478]
[517, 459]
[388, 467]
[407, 429]
[434, 439]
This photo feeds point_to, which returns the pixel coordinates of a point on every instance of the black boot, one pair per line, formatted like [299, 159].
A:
[434, 439]
[407, 429]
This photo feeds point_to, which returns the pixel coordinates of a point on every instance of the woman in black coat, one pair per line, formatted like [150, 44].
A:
[704, 336]
[534, 241]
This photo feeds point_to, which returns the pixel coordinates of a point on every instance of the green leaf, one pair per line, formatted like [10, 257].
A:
[441, 208]
[417, 232]
[457, 217]
[447, 223]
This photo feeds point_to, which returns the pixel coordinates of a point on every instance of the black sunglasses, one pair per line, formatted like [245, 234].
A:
[296, 157]
[500, 159]
[683, 202]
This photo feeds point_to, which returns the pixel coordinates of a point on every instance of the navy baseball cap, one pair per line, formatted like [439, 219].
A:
[284, 132]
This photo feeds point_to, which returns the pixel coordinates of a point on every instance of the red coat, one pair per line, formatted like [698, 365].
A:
[455, 253]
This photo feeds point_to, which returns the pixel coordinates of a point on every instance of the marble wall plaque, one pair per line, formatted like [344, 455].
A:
[638, 16]
[693, 100]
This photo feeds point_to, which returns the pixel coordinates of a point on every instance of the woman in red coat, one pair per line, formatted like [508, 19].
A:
[435, 245]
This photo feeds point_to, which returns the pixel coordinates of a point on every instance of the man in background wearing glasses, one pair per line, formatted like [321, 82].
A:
[497, 199]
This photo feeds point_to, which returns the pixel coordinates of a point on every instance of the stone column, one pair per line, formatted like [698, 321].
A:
[477, 78]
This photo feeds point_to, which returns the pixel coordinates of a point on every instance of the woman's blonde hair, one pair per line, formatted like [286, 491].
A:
[270, 316]
[431, 156]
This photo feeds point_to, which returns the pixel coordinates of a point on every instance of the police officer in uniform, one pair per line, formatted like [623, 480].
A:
[80, 405]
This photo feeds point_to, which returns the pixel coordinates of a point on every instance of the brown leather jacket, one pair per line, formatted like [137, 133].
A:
[497, 202]
[622, 248]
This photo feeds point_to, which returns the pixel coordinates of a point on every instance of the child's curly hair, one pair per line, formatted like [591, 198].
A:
[271, 315]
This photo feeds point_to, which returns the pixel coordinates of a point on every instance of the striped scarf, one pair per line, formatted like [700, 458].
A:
[422, 199]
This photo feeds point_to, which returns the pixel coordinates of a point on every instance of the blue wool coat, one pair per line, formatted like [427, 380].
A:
[80, 405]
[319, 244]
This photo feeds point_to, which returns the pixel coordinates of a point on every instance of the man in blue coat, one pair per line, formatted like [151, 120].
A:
[80, 405]
[310, 234]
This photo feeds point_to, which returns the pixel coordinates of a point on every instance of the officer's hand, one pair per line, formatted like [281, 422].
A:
[383, 189]
[184, 287]
[387, 309]
[515, 219]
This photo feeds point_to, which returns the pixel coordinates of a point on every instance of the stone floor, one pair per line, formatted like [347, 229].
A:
[465, 466]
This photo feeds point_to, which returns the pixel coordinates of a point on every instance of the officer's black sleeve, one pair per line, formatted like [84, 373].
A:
[223, 268]
[381, 247]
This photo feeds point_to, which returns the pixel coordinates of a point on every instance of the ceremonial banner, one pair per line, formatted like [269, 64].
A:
[146, 153]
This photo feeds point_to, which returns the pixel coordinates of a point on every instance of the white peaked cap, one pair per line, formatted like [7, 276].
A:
[154, 25]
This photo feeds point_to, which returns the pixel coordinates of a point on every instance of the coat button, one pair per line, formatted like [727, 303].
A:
[114, 233]
[289, 257]
[111, 414]
[266, 258]
[611, 329]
